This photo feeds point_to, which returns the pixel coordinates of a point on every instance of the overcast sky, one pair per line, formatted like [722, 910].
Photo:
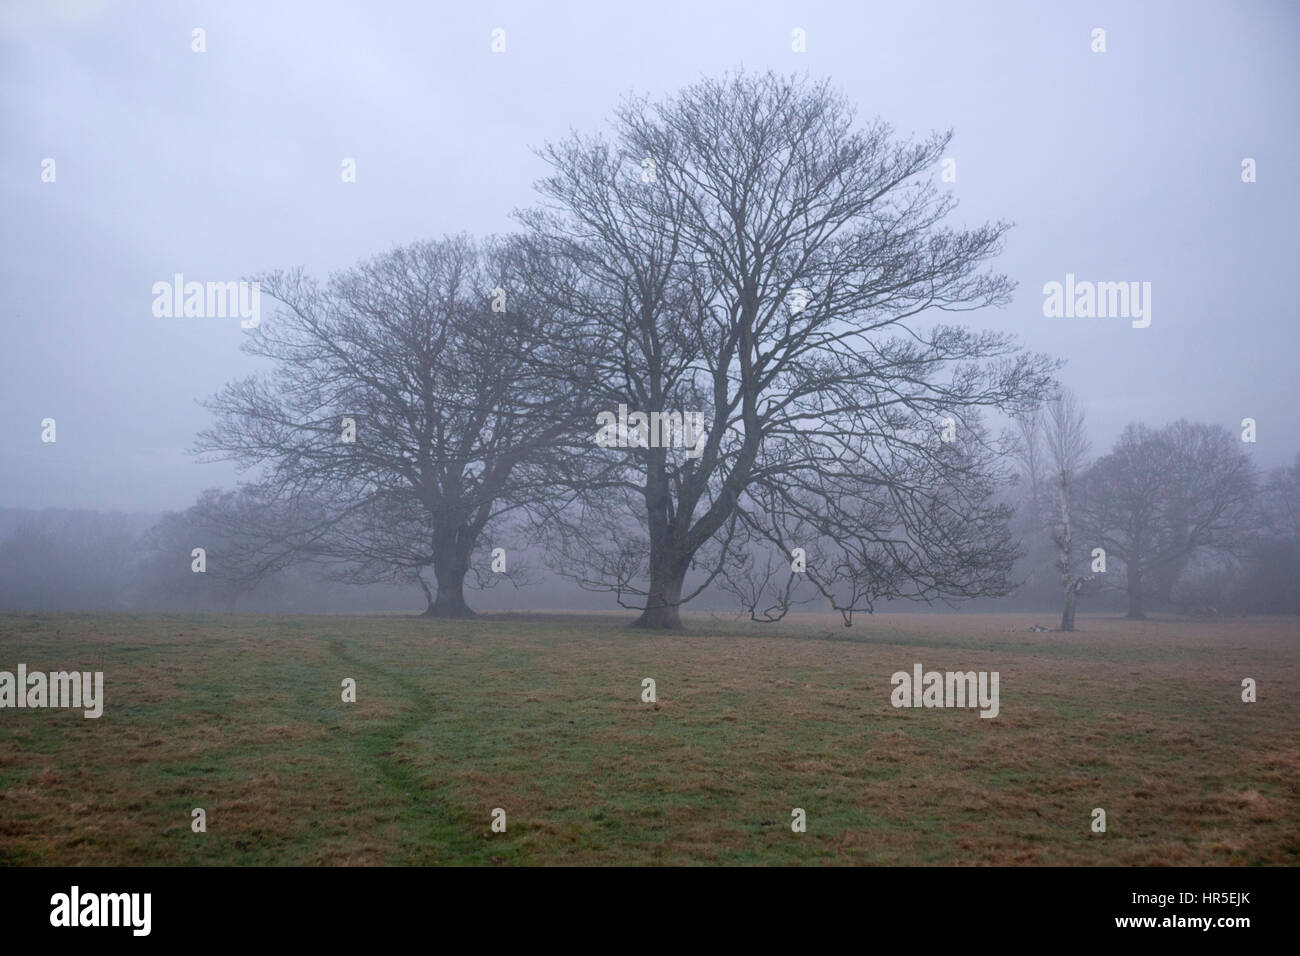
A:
[1117, 166]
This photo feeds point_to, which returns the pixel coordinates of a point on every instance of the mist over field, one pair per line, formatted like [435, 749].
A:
[319, 137]
[574, 434]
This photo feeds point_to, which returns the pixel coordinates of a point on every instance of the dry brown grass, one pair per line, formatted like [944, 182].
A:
[541, 715]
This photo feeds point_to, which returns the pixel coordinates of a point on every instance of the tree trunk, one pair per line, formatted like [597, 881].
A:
[450, 567]
[663, 602]
[1067, 616]
[668, 564]
[1135, 592]
[1063, 554]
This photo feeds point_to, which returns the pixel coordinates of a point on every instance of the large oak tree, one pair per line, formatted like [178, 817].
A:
[748, 250]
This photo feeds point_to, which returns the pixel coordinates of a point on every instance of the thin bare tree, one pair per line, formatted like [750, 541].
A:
[1053, 453]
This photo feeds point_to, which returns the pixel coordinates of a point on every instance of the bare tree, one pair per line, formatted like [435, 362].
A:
[214, 554]
[746, 251]
[1053, 453]
[1213, 485]
[1271, 579]
[402, 416]
[1161, 497]
[1281, 502]
[390, 542]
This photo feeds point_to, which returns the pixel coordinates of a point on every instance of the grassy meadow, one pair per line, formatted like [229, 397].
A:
[541, 715]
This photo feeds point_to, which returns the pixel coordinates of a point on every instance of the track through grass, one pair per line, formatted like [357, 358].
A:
[541, 715]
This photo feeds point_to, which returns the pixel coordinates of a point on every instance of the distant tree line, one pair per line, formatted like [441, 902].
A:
[715, 358]
[86, 560]
[1173, 519]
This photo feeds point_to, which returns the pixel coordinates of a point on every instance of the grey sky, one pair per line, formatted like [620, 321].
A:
[1120, 166]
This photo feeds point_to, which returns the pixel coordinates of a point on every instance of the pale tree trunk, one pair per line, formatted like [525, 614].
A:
[1063, 555]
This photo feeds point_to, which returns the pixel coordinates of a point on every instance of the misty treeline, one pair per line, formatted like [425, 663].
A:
[80, 560]
[1172, 519]
[87, 560]
[715, 358]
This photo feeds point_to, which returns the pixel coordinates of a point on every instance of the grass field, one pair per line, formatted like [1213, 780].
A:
[542, 716]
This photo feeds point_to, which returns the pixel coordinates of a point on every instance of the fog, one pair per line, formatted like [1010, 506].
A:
[1122, 166]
